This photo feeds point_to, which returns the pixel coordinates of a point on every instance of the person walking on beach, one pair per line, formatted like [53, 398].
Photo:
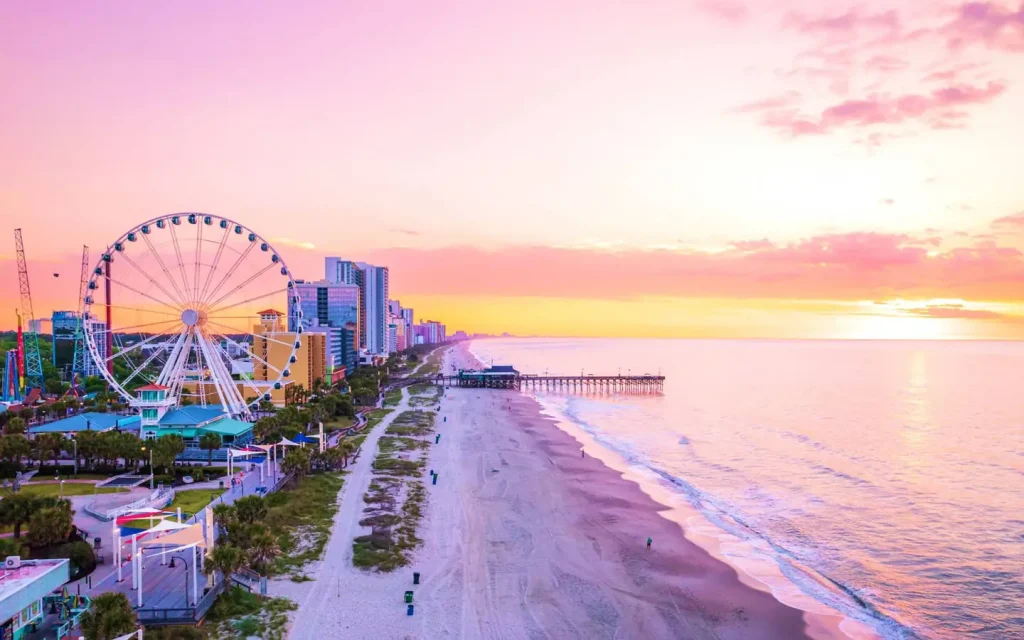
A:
[649, 541]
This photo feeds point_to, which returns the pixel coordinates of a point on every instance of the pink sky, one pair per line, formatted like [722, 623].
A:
[840, 153]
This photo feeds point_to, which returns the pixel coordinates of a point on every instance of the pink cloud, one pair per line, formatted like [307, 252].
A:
[853, 266]
[987, 23]
[938, 110]
[885, 64]
[888, 201]
[953, 73]
[847, 22]
[1016, 221]
[724, 10]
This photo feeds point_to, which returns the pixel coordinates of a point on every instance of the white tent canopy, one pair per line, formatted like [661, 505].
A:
[192, 534]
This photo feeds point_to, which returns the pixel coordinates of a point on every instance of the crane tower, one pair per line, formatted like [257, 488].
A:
[33, 363]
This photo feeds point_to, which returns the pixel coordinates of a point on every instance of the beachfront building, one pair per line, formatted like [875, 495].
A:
[271, 343]
[328, 308]
[23, 586]
[376, 289]
[350, 346]
[430, 332]
[191, 423]
[373, 286]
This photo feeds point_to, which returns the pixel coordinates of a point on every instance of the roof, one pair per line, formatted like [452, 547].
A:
[88, 421]
[152, 387]
[270, 312]
[501, 368]
[20, 587]
[176, 431]
[228, 427]
[192, 416]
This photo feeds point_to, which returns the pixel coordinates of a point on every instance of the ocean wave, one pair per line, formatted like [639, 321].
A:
[727, 518]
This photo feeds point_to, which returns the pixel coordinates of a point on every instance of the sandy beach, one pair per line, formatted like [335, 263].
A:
[526, 538]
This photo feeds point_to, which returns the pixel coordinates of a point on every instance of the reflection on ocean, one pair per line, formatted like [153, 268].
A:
[885, 478]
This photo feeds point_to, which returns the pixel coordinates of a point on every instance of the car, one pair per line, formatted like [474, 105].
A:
[187, 479]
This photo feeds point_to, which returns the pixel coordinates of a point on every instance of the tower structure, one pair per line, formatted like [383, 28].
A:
[33, 363]
[78, 364]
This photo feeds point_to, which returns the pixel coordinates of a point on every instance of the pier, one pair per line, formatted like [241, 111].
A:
[509, 378]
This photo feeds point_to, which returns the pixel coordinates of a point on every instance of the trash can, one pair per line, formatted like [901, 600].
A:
[408, 597]
[408, 610]
[221, 484]
[435, 479]
[416, 577]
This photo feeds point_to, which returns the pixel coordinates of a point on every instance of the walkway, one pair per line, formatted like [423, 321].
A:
[336, 567]
[163, 587]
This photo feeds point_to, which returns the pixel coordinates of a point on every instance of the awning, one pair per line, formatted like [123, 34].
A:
[242, 453]
[306, 439]
[192, 534]
[285, 442]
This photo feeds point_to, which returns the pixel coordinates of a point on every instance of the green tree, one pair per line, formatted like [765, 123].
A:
[226, 559]
[211, 442]
[262, 547]
[14, 447]
[51, 444]
[11, 547]
[166, 449]
[250, 509]
[297, 461]
[17, 509]
[345, 449]
[16, 425]
[51, 525]
[110, 616]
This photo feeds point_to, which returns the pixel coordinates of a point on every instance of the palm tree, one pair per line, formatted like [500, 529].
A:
[17, 509]
[346, 448]
[262, 547]
[297, 462]
[211, 442]
[51, 525]
[52, 444]
[225, 559]
[250, 509]
[109, 617]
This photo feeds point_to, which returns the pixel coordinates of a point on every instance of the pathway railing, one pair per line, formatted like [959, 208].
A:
[158, 499]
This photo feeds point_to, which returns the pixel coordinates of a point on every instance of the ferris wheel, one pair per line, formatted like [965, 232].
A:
[198, 304]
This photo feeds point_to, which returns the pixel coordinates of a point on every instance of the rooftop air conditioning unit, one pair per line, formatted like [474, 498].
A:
[12, 562]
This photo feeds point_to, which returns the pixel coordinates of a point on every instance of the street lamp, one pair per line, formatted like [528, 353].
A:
[75, 442]
[184, 562]
[150, 448]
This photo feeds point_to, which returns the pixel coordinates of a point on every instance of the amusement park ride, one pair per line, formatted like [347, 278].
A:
[172, 306]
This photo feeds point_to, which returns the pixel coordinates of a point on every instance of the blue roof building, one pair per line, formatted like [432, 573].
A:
[193, 422]
[88, 421]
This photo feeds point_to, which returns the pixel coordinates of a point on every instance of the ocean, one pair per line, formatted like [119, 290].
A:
[884, 479]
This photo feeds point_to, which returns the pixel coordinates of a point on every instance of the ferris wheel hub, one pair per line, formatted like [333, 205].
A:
[190, 317]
